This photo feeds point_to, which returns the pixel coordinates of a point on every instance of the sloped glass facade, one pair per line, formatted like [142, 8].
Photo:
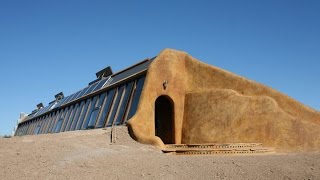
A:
[110, 101]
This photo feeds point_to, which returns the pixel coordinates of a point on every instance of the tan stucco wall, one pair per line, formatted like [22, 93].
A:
[213, 105]
[161, 69]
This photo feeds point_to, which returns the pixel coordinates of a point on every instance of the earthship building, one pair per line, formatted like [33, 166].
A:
[176, 99]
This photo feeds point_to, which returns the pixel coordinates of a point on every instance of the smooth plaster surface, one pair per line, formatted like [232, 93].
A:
[212, 105]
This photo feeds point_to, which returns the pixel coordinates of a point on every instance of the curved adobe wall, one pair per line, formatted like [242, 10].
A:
[169, 66]
[214, 105]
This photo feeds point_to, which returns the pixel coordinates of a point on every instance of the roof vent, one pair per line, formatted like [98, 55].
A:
[59, 96]
[104, 72]
[52, 102]
[40, 106]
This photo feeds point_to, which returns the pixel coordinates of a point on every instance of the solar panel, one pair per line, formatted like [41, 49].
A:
[100, 84]
[90, 89]
[129, 72]
[73, 97]
[83, 91]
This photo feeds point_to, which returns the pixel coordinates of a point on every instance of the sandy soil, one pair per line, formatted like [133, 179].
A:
[90, 155]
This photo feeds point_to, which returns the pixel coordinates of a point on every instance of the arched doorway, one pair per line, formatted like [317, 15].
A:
[164, 119]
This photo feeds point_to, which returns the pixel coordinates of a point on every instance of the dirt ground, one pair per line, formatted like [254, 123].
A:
[90, 155]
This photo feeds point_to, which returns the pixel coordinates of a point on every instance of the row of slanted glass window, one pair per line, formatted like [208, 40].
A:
[113, 107]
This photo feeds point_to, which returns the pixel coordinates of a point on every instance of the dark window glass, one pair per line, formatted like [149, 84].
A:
[49, 123]
[93, 117]
[32, 127]
[58, 125]
[101, 99]
[23, 130]
[41, 124]
[54, 121]
[44, 125]
[124, 103]
[69, 119]
[76, 117]
[83, 114]
[76, 107]
[29, 128]
[35, 123]
[115, 105]
[66, 119]
[106, 108]
[37, 129]
[136, 97]
[20, 132]
[38, 124]
[26, 130]
[93, 104]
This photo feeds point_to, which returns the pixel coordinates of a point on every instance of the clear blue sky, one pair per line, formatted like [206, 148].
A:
[52, 46]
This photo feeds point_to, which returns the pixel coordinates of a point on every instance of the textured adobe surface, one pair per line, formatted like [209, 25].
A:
[212, 105]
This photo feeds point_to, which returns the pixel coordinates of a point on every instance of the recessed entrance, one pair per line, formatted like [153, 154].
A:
[164, 119]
